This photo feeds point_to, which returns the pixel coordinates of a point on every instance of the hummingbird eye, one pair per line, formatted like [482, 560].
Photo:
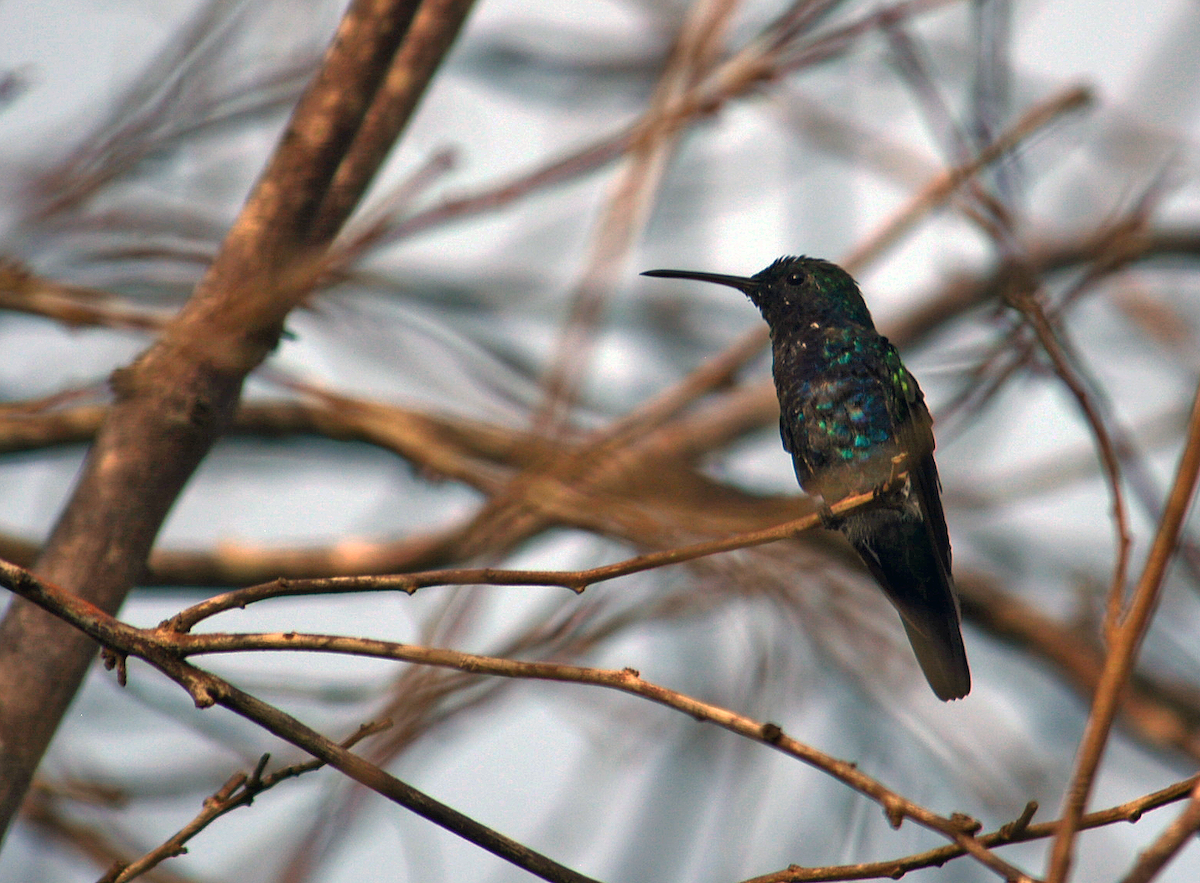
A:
[797, 278]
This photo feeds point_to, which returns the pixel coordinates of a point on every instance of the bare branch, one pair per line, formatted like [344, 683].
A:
[165, 648]
[1125, 641]
[239, 790]
[179, 396]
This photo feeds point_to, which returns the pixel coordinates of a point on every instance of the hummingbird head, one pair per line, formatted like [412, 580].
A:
[794, 290]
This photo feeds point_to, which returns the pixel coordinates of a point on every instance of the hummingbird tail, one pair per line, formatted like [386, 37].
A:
[900, 553]
[943, 659]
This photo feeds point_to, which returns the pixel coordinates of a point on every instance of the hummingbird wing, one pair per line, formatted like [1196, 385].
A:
[908, 553]
[907, 550]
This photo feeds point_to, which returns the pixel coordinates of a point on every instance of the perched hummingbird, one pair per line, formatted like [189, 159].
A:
[853, 418]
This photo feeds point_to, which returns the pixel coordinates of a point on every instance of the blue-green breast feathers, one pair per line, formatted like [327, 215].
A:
[847, 407]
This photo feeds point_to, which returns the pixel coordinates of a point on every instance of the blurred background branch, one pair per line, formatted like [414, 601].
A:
[472, 376]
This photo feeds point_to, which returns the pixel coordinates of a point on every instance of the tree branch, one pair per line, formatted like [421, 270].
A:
[1125, 639]
[178, 397]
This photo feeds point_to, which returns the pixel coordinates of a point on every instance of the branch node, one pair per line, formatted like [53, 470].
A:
[1017, 827]
[227, 790]
[965, 823]
[202, 693]
[113, 659]
[255, 783]
[829, 521]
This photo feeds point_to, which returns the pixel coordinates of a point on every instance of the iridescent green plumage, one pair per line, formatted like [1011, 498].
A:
[852, 416]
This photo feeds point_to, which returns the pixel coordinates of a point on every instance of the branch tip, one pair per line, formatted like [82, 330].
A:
[1018, 826]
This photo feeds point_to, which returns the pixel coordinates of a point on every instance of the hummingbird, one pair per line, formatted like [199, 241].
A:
[853, 418]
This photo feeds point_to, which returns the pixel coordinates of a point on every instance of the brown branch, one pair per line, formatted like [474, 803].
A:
[238, 791]
[577, 581]
[1018, 831]
[206, 690]
[1125, 640]
[655, 479]
[179, 396]
[1026, 303]
[1155, 857]
[434, 28]
[165, 648]
[72, 305]
[895, 806]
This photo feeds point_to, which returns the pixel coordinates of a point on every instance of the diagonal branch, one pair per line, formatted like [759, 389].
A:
[1019, 830]
[178, 397]
[206, 690]
[238, 791]
[1125, 639]
[1024, 301]
[1162, 850]
[167, 649]
[630, 200]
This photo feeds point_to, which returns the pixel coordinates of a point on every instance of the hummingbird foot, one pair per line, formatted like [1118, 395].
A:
[829, 521]
[897, 481]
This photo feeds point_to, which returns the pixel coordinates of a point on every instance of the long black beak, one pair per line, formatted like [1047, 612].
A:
[741, 283]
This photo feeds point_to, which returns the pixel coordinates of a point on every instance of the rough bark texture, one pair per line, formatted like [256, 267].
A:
[177, 398]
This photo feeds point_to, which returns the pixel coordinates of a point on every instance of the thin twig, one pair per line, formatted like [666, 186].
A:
[1019, 831]
[575, 580]
[238, 791]
[1051, 341]
[896, 807]
[206, 690]
[1155, 857]
[937, 191]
